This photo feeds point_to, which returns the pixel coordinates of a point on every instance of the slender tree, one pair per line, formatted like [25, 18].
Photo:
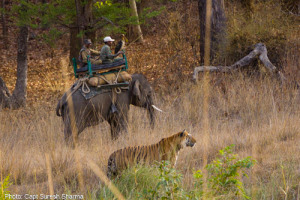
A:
[20, 93]
[137, 28]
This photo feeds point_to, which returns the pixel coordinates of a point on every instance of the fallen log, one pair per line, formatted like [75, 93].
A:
[259, 50]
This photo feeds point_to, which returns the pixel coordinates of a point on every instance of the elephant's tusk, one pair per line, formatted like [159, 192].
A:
[156, 108]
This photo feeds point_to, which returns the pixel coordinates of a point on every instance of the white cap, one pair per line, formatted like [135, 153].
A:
[108, 39]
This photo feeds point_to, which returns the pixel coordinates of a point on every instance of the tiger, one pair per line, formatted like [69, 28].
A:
[167, 149]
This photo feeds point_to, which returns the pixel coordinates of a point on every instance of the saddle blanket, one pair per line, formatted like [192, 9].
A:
[94, 91]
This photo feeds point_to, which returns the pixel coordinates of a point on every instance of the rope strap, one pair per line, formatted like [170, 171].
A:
[81, 82]
[103, 78]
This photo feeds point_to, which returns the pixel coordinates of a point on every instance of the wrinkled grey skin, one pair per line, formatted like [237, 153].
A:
[93, 111]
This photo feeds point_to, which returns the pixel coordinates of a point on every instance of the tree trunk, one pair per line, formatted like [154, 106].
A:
[20, 93]
[75, 43]
[4, 95]
[18, 98]
[83, 27]
[4, 26]
[141, 5]
[137, 28]
[217, 26]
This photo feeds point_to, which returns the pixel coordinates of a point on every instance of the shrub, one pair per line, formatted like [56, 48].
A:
[169, 185]
[132, 182]
[4, 188]
[197, 192]
[224, 173]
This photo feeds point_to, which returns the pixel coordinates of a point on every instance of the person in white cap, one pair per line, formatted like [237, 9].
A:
[105, 54]
[87, 51]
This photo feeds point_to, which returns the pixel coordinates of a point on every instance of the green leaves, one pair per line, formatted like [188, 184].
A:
[111, 17]
[223, 173]
[23, 13]
[169, 185]
[56, 17]
[3, 188]
[222, 180]
[51, 37]
[100, 4]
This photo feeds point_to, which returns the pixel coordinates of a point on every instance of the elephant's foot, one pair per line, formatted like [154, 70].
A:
[69, 139]
[114, 136]
[69, 142]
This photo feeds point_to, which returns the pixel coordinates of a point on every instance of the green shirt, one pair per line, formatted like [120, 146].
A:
[106, 55]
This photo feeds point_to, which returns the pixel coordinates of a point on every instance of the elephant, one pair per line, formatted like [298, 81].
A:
[100, 107]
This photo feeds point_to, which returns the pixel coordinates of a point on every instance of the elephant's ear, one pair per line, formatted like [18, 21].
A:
[136, 89]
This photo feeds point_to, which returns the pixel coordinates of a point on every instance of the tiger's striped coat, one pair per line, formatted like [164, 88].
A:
[166, 149]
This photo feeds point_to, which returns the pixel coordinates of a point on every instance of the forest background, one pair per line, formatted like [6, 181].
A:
[248, 108]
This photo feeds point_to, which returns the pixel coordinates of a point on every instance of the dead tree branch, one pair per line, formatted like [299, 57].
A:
[259, 50]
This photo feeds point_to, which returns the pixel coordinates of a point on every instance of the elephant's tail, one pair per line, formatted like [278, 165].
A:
[58, 108]
[60, 104]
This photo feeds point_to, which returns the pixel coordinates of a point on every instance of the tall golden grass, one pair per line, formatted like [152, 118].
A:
[254, 113]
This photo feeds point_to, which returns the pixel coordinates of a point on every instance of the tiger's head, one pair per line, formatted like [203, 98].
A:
[186, 139]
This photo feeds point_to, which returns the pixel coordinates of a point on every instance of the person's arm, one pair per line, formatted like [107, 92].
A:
[119, 52]
[95, 51]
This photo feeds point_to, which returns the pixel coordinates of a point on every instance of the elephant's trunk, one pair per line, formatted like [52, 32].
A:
[151, 116]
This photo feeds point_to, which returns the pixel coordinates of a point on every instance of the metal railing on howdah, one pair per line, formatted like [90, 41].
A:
[90, 72]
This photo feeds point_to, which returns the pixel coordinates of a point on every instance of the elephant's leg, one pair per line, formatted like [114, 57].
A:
[114, 126]
[118, 124]
[68, 136]
[66, 122]
[71, 135]
[123, 125]
[69, 132]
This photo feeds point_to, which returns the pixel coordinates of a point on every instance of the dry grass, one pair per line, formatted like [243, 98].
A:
[260, 118]
[254, 113]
